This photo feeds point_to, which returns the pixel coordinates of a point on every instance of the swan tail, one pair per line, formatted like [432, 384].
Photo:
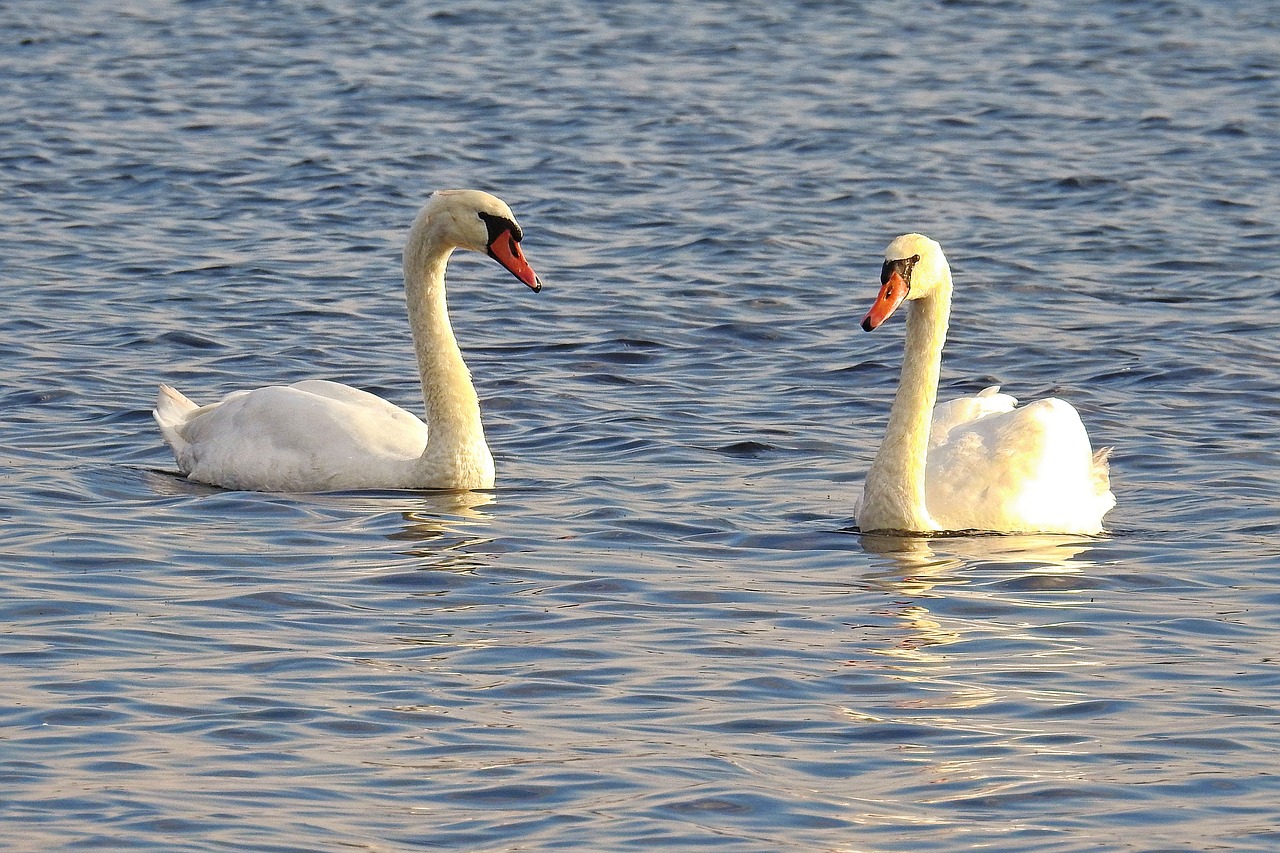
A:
[171, 412]
[1102, 469]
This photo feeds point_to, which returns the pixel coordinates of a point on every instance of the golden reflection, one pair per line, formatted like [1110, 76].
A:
[907, 552]
[434, 514]
[442, 531]
[445, 521]
[919, 565]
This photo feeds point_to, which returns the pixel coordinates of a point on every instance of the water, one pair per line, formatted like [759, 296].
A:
[657, 632]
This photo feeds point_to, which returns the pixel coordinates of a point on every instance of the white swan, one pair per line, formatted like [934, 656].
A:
[320, 436]
[978, 463]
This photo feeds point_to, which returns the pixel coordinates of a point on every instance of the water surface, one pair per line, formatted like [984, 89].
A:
[657, 632]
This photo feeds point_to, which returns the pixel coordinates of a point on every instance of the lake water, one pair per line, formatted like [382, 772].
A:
[658, 632]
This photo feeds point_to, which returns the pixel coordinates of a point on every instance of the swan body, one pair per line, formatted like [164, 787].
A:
[976, 463]
[318, 435]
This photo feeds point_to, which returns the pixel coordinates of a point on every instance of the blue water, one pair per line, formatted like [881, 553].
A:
[657, 632]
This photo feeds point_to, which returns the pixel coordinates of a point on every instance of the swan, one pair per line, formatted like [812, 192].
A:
[977, 463]
[317, 435]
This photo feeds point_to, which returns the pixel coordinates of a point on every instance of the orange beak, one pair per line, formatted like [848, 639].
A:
[505, 249]
[892, 292]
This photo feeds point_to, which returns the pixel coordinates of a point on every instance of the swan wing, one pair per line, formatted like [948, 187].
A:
[1023, 469]
[370, 408]
[964, 410]
[310, 436]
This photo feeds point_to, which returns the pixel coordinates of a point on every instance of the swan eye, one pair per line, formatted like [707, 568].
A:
[886, 271]
[903, 266]
[499, 224]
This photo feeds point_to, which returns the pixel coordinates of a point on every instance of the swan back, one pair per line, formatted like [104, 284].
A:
[963, 410]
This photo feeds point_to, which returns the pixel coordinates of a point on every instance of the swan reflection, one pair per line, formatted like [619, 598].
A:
[979, 622]
[918, 570]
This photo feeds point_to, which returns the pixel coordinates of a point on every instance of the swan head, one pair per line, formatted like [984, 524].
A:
[914, 267]
[475, 220]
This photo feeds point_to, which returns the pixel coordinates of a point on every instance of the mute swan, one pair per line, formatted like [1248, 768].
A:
[319, 436]
[978, 463]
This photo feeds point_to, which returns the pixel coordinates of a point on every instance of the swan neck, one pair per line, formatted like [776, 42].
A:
[452, 407]
[894, 497]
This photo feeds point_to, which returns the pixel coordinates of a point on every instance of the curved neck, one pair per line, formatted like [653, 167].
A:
[894, 495]
[452, 408]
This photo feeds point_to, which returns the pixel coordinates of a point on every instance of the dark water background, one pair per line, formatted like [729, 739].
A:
[653, 634]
